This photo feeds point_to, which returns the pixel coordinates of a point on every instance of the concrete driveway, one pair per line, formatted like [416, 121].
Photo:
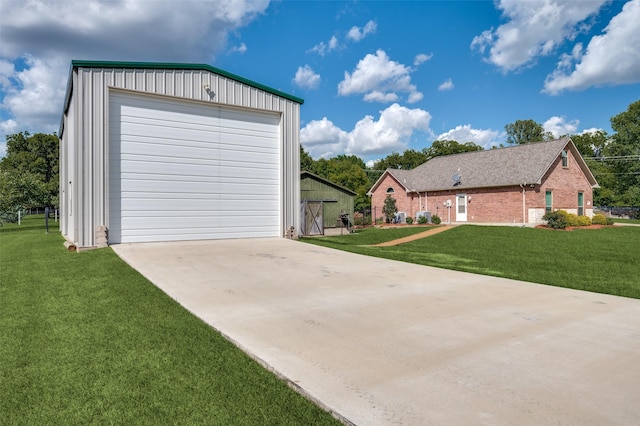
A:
[388, 343]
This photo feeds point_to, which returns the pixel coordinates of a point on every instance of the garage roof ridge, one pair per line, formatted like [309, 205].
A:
[182, 66]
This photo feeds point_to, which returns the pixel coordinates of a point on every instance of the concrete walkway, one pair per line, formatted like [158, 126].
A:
[418, 236]
[380, 342]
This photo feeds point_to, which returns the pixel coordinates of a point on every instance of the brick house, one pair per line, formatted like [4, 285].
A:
[513, 185]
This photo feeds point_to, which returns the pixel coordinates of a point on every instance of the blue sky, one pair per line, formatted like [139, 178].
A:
[376, 76]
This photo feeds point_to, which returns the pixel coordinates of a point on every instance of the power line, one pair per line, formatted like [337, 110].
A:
[615, 158]
[607, 173]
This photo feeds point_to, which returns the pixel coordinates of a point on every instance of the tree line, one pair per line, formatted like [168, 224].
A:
[29, 172]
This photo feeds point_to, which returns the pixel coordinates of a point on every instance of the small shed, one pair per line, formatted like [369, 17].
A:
[322, 203]
[166, 152]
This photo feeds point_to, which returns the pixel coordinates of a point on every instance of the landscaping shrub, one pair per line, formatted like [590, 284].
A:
[601, 219]
[560, 219]
[409, 220]
[556, 220]
[422, 220]
[570, 218]
[583, 221]
[435, 219]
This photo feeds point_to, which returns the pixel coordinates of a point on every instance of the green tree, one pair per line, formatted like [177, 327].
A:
[18, 191]
[624, 155]
[306, 162]
[409, 159]
[448, 147]
[591, 146]
[526, 131]
[35, 155]
[389, 209]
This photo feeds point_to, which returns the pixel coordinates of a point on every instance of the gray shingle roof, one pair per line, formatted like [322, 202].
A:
[490, 168]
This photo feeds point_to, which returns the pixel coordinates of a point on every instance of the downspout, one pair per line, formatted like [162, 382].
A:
[524, 207]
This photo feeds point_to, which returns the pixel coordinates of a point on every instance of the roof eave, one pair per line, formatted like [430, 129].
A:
[467, 188]
[159, 65]
[328, 182]
[67, 100]
[183, 66]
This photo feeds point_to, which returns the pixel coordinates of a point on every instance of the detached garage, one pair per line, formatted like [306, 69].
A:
[166, 152]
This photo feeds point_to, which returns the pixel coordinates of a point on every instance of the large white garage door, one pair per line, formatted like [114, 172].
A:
[182, 170]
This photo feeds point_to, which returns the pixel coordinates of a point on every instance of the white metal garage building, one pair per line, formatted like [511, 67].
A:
[165, 152]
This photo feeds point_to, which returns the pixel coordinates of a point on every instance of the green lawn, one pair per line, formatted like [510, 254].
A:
[632, 221]
[599, 260]
[84, 339]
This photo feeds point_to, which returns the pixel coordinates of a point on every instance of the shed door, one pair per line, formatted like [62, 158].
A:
[182, 170]
[312, 217]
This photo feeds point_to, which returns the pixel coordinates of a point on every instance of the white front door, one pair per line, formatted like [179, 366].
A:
[461, 208]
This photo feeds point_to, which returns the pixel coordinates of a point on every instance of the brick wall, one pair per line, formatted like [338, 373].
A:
[390, 186]
[564, 184]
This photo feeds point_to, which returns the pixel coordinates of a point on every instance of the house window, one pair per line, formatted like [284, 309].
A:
[390, 190]
[548, 204]
[580, 204]
[565, 159]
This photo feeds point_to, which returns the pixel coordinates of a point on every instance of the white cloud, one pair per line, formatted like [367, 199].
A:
[379, 79]
[465, 133]
[371, 163]
[415, 97]
[612, 58]
[7, 127]
[559, 126]
[421, 58]
[35, 98]
[592, 131]
[392, 131]
[306, 77]
[323, 139]
[41, 37]
[7, 72]
[534, 28]
[377, 96]
[241, 48]
[53, 27]
[323, 48]
[357, 33]
[446, 85]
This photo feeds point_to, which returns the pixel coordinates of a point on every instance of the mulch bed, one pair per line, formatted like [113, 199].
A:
[571, 228]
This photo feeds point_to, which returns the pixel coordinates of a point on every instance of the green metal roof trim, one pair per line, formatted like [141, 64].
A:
[182, 66]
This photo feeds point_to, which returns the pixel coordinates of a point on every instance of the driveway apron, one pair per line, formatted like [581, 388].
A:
[382, 342]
